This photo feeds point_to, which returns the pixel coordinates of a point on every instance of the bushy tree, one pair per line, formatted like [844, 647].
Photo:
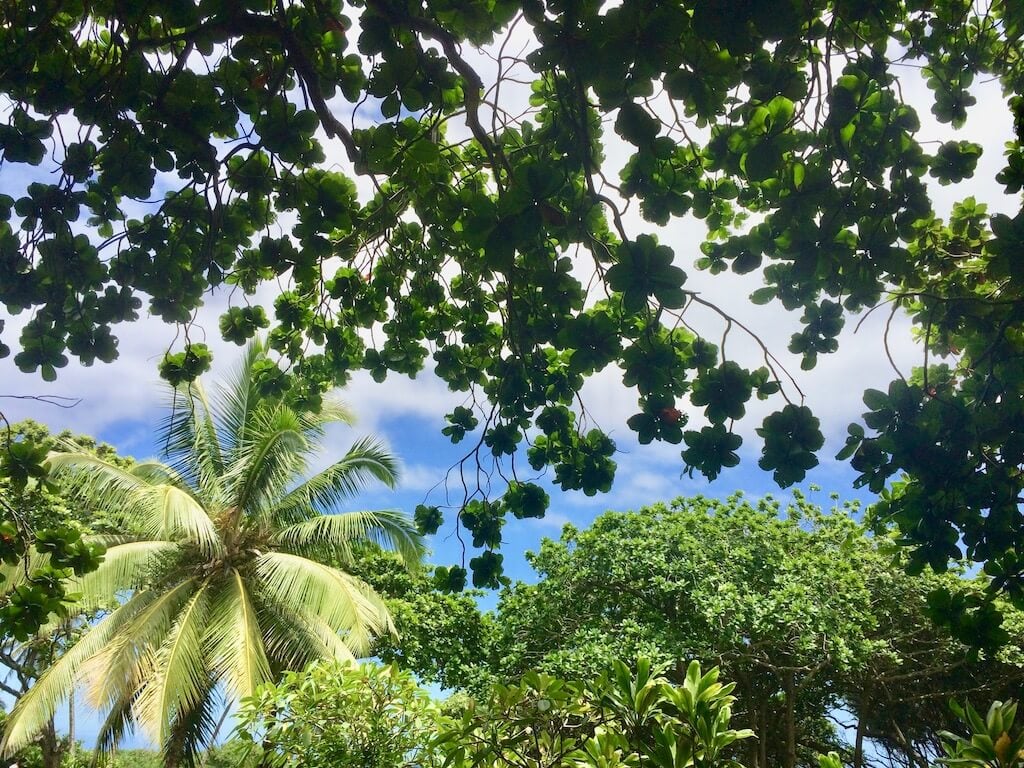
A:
[335, 715]
[41, 543]
[149, 150]
[805, 612]
[38, 620]
[443, 636]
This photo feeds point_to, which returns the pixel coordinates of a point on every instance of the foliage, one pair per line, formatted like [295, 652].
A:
[148, 150]
[377, 716]
[800, 607]
[222, 565]
[624, 718]
[41, 544]
[135, 758]
[992, 741]
[342, 716]
[441, 636]
[227, 755]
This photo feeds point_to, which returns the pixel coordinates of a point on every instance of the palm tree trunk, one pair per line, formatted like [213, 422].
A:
[72, 745]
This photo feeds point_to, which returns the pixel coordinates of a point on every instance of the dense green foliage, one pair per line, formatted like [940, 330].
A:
[149, 150]
[218, 569]
[804, 611]
[992, 741]
[377, 717]
[342, 716]
[441, 636]
[41, 543]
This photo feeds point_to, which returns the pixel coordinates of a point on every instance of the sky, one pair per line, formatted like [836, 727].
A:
[119, 403]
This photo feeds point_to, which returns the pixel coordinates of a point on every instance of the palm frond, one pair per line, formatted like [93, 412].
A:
[343, 602]
[92, 477]
[157, 473]
[235, 402]
[360, 637]
[332, 536]
[275, 452]
[109, 540]
[177, 514]
[238, 656]
[290, 641]
[39, 704]
[329, 489]
[124, 567]
[180, 678]
[119, 669]
[119, 720]
[163, 511]
[334, 645]
[191, 731]
[188, 438]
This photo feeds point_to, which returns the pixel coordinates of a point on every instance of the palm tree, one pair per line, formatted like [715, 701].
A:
[232, 574]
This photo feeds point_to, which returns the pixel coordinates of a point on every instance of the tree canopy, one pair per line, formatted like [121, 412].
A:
[444, 184]
[41, 529]
[808, 615]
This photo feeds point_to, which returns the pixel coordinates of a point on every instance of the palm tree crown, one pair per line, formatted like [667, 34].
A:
[231, 572]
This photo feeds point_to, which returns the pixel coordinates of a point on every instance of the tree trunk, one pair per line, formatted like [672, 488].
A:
[790, 688]
[754, 745]
[762, 736]
[72, 745]
[49, 745]
[858, 744]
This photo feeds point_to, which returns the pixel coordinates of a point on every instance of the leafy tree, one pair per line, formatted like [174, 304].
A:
[335, 715]
[899, 694]
[442, 637]
[33, 636]
[41, 542]
[149, 150]
[807, 614]
[223, 567]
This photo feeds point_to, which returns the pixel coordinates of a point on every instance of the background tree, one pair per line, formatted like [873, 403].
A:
[221, 565]
[806, 613]
[41, 543]
[37, 630]
[494, 243]
[442, 637]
